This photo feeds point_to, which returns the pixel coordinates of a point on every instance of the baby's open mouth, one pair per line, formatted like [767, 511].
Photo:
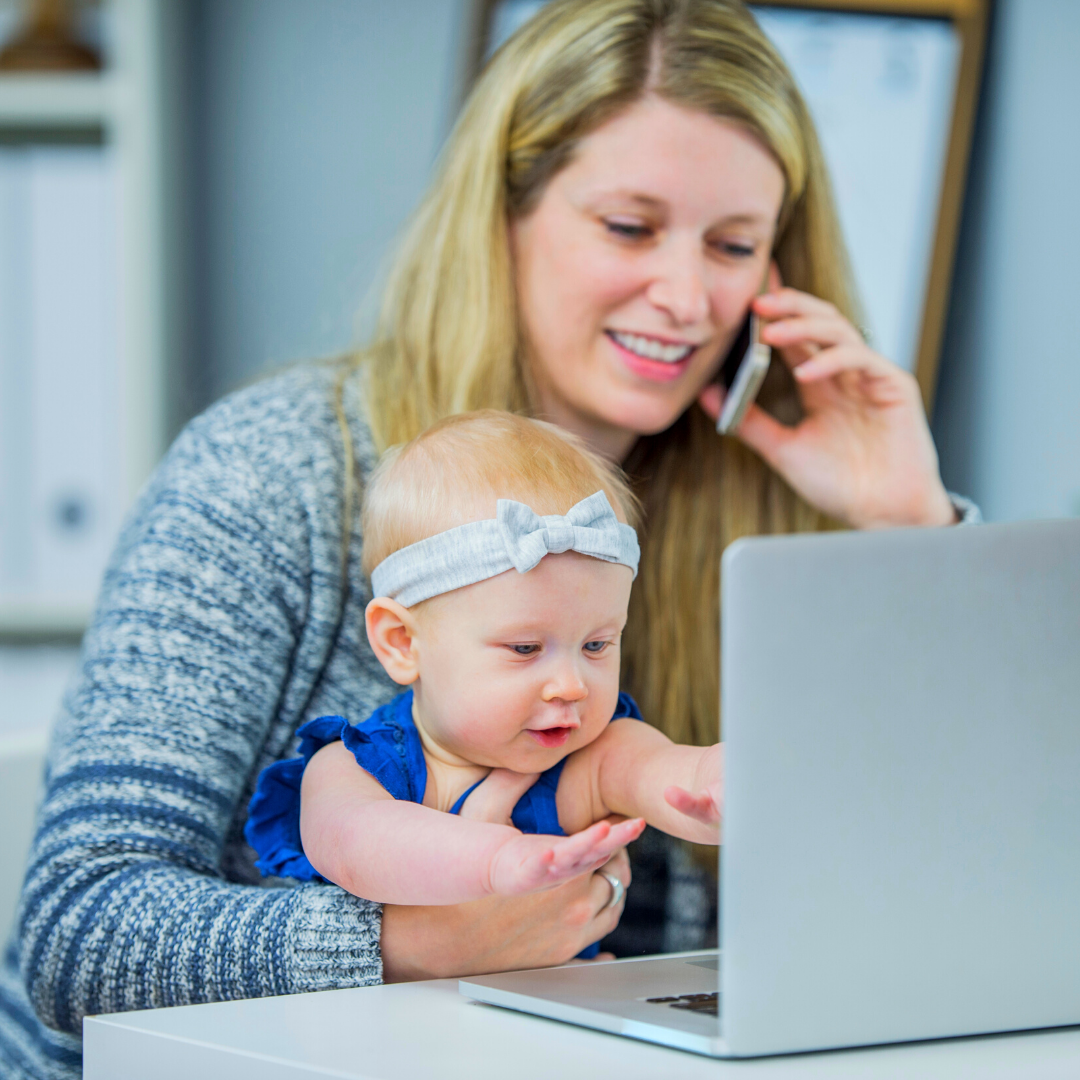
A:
[552, 736]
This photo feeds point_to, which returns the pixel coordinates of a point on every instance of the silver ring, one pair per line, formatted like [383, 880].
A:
[618, 889]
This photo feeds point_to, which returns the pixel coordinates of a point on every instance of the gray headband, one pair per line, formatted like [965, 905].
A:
[517, 538]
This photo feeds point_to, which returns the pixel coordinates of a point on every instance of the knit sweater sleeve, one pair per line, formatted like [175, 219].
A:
[217, 614]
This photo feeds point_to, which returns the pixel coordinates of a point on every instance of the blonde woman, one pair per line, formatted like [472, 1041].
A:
[624, 178]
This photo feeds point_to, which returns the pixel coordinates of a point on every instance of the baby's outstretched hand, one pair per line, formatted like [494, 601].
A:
[705, 803]
[529, 863]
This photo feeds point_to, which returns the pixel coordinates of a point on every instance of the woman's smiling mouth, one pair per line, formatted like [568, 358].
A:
[650, 357]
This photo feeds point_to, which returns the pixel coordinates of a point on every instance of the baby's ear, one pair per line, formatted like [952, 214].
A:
[391, 632]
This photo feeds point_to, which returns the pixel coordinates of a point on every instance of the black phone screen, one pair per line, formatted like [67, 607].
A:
[729, 367]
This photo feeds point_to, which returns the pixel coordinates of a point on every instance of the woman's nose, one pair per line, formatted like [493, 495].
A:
[679, 287]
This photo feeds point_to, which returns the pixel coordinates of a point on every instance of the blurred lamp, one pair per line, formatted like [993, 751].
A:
[46, 41]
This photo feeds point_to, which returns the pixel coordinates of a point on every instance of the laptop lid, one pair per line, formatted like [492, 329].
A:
[901, 852]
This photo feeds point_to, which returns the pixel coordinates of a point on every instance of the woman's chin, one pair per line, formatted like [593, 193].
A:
[644, 417]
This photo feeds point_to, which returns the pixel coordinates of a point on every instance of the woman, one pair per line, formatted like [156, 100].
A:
[623, 181]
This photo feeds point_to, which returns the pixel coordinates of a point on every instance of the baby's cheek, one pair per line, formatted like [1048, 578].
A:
[479, 728]
[597, 717]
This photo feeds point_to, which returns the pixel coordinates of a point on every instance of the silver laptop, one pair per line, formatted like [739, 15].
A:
[901, 854]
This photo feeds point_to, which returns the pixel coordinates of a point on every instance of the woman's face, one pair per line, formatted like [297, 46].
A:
[635, 268]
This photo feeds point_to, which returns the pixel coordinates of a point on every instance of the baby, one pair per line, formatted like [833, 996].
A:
[501, 561]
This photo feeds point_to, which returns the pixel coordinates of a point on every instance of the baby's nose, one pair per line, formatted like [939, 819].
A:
[566, 685]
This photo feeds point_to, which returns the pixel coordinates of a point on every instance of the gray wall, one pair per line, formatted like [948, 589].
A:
[313, 126]
[1008, 413]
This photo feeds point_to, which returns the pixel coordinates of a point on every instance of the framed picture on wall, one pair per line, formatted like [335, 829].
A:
[893, 87]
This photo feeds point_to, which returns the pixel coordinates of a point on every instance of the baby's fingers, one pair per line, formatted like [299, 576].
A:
[701, 807]
[592, 847]
[529, 863]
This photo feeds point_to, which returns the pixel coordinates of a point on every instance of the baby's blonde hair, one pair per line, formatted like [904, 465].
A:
[457, 470]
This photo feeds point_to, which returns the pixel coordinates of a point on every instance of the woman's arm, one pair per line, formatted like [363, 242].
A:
[634, 770]
[398, 852]
[211, 627]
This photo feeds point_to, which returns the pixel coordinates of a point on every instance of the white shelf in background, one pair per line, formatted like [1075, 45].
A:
[62, 101]
[86, 316]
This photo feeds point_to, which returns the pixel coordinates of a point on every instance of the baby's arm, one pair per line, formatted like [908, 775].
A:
[396, 852]
[634, 770]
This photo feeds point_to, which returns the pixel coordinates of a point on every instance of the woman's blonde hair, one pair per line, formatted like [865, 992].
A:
[448, 338]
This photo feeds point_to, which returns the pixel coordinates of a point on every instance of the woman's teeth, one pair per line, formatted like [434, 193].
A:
[651, 349]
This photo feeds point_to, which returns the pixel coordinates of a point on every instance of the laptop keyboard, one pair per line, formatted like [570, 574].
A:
[699, 1003]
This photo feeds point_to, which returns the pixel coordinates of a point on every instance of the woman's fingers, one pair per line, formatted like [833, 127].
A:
[711, 400]
[844, 357]
[820, 330]
[798, 325]
[786, 303]
[878, 380]
[617, 866]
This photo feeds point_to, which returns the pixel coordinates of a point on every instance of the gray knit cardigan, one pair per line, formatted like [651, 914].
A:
[224, 623]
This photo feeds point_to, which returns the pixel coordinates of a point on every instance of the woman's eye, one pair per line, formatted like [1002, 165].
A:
[735, 250]
[595, 647]
[526, 650]
[628, 230]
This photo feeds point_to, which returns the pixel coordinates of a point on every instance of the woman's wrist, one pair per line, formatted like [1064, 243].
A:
[931, 509]
[941, 510]
[419, 943]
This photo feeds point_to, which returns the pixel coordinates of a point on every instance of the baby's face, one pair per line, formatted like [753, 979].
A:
[522, 669]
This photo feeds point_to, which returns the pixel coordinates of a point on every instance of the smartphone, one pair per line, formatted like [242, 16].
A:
[742, 373]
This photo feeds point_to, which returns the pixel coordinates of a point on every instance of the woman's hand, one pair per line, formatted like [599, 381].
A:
[863, 451]
[501, 933]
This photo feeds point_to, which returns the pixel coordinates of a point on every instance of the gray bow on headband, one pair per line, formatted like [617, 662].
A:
[517, 538]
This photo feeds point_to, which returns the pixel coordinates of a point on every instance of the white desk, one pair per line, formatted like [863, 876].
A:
[417, 1030]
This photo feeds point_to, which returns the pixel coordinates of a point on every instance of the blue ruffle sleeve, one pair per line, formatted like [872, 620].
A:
[385, 745]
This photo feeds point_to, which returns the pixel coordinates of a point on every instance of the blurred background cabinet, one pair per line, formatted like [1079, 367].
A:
[86, 303]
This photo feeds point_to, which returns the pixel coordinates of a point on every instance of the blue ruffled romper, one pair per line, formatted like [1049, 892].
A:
[387, 745]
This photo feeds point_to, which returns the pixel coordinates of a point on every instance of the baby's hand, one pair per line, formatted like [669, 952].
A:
[530, 863]
[706, 803]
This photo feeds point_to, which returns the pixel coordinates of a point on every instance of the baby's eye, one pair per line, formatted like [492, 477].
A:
[595, 647]
[526, 650]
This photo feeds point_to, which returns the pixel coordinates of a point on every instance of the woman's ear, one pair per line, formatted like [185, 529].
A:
[391, 631]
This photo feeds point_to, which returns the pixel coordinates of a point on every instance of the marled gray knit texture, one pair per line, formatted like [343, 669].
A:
[224, 623]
